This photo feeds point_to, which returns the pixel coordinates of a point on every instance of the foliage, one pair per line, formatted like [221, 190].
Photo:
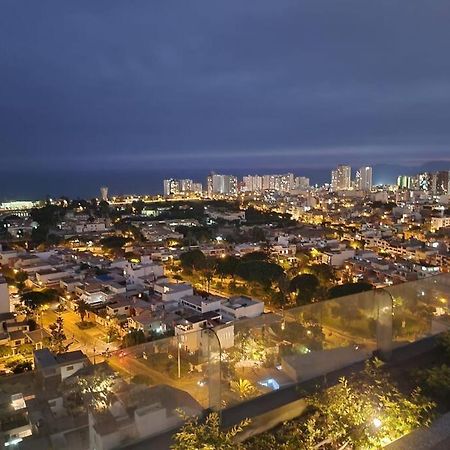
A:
[349, 289]
[97, 389]
[244, 388]
[207, 435]
[227, 266]
[34, 299]
[284, 290]
[193, 259]
[82, 309]
[365, 411]
[261, 272]
[5, 350]
[21, 367]
[444, 343]
[57, 336]
[305, 286]
[323, 272]
[134, 337]
[436, 381]
[255, 256]
[113, 242]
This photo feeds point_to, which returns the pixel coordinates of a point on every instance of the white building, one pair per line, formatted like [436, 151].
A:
[364, 178]
[338, 258]
[4, 297]
[195, 337]
[146, 269]
[341, 178]
[201, 304]
[173, 291]
[241, 307]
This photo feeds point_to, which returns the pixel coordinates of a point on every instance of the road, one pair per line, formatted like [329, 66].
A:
[130, 365]
[90, 341]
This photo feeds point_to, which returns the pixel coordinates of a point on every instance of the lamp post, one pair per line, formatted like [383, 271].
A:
[179, 361]
[220, 372]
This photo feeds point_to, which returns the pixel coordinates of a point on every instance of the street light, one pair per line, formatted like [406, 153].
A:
[376, 422]
[179, 361]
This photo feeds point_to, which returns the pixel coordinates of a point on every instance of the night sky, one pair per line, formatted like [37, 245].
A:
[218, 85]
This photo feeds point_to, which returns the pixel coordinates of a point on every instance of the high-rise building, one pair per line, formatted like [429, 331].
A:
[405, 182]
[222, 184]
[441, 182]
[301, 183]
[281, 182]
[171, 187]
[252, 183]
[184, 186]
[104, 193]
[364, 178]
[424, 181]
[341, 178]
[5, 306]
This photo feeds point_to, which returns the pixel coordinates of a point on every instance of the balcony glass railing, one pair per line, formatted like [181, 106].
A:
[136, 393]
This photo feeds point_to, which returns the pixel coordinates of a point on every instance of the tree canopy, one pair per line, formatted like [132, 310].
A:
[349, 289]
[305, 286]
[262, 272]
[193, 259]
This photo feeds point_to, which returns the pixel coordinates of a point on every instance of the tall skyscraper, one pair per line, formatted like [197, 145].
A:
[222, 184]
[404, 182]
[5, 306]
[441, 182]
[364, 179]
[104, 193]
[341, 178]
[171, 187]
[301, 183]
[424, 181]
[184, 186]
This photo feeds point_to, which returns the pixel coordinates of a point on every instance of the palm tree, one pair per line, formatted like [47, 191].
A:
[244, 388]
[82, 309]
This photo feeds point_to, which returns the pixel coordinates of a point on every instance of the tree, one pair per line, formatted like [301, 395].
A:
[255, 256]
[244, 388]
[35, 299]
[82, 309]
[323, 272]
[261, 272]
[349, 289]
[305, 286]
[365, 411]
[207, 435]
[20, 278]
[5, 350]
[227, 266]
[209, 272]
[113, 242]
[193, 260]
[57, 336]
[98, 389]
[284, 289]
[134, 337]
[436, 381]
[22, 367]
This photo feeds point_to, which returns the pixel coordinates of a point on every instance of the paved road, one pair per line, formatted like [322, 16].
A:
[90, 341]
[130, 366]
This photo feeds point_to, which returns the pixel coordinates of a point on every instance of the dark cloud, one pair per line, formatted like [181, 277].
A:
[219, 83]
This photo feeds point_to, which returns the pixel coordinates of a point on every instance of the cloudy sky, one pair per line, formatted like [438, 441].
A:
[252, 83]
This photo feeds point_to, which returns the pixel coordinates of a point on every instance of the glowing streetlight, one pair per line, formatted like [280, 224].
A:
[376, 422]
